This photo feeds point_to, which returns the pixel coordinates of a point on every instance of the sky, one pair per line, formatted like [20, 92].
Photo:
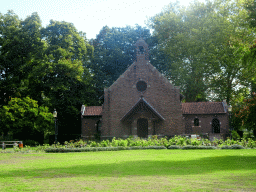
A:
[89, 16]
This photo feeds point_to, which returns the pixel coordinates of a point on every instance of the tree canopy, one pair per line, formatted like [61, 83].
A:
[203, 43]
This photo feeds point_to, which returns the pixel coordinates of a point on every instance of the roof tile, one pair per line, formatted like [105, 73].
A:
[187, 108]
[92, 111]
[202, 108]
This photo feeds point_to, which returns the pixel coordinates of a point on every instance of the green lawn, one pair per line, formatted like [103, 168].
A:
[138, 170]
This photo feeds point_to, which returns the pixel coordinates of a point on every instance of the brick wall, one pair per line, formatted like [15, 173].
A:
[88, 126]
[123, 95]
[205, 123]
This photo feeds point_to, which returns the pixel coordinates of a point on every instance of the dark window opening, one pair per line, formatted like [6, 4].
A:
[141, 86]
[196, 122]
[142, 128]
[98, 126]
[216, 126]
[141, 49]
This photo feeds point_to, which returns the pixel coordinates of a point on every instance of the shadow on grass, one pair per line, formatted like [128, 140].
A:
[143, 168]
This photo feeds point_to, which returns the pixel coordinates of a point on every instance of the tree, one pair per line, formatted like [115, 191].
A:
[63, 81]
[201, 42]
[247, 113]
[46, 64]
[249, 58]
[113, 53]
[23, 115]
[21, 49]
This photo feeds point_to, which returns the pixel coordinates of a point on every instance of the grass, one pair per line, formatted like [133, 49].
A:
[138, 170]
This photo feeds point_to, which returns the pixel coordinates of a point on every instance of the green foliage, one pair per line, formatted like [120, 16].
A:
[113, 53]
[94, 149]
[195, 142]
[251, 143]
[235, 135]
[247, 113]
[30, 142]
[232, 147]
[173, 147]
[206, 142]
[230, 142]
[24, 113]
[198, 147]
[21, 49]
[204, 43]
[134, 144]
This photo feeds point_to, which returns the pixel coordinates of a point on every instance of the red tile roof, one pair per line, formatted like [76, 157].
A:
[202, 108]
[92, 111]
[187, 108]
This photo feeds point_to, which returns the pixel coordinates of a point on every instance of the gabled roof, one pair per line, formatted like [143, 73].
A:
[92, 111]
[187, 108]
[142, 101]
[203, 108]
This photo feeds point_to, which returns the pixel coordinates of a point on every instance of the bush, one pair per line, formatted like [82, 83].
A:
[173, 147]
[232, 147]
[105, 143]
[235, 135]
[206, 147]
[195, 142]
[93, 149]
[122, 143]
[237, 147]
[243, 142]
[206, 142]
[30, 142]
[251, 143]
[189, 147]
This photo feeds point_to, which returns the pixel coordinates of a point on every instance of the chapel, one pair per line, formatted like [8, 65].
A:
[142, 103]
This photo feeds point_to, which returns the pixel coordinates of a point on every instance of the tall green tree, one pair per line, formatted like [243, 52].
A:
[21, 49]
[63, 81]
[249, 58]
[201, 44]
[23, 116]
[114, 52]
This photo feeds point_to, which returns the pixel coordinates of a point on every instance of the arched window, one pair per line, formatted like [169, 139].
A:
[196, 122]
[215, 125]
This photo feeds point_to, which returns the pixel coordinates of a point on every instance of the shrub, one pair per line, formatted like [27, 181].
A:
[30, 142]
[232, 147]
[93, 144]
[154, 147]
[235, 135]
[105, 143]
[206, 147]
[251, 143]
[92, 149]
[173, 147]
[198, 147]
[225, 147]
[189, 147]
[206, 142]
[243, 142]
[122, 143]
[188, 141]
[195, 142]
[237, 147]
[114, 142]
[164, 142]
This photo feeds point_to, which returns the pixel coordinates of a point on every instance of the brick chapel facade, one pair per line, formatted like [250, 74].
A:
[142, 103]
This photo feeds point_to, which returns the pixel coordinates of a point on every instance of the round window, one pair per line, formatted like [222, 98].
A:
[141, 85]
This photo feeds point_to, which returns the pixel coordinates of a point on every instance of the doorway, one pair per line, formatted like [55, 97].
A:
[142, 128]
[215, 125]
